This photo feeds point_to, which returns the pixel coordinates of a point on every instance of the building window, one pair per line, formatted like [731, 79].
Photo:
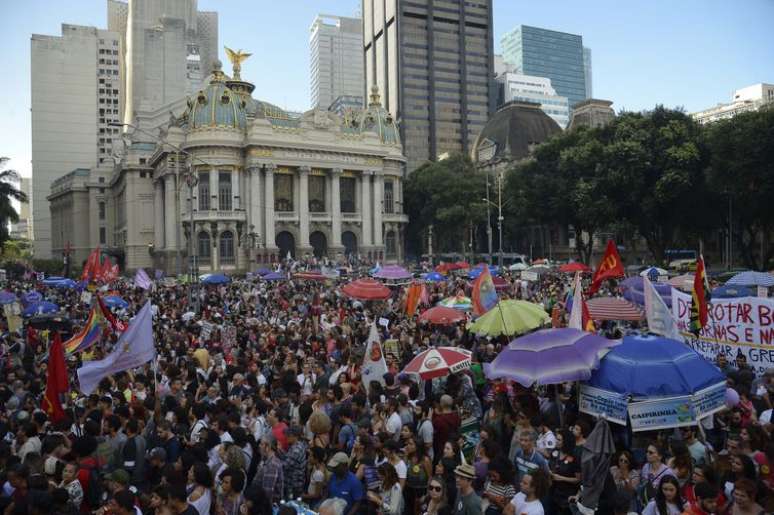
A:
[102, 236]
[205, 251]
[204, 191]
[283, 192]
[388, 203]
[227, 248]
[347, 194]
[101, 210]
[317, 193]
[389, 243]
[224, 191]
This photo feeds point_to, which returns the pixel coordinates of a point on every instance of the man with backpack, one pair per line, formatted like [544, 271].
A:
[348, 431]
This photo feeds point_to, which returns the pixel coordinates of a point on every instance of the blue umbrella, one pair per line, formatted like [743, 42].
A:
[729, 291]
[40, 308]
[263, 271]
[113, 301]
[7, 297]
[473, 274]
[434, 277]
[31, 297]
[60, 282]
[274, 276]
[751, 278]
[633, 291]
[216, 279]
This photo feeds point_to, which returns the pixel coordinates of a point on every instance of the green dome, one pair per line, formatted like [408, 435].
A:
[378, 120]
[217, 106]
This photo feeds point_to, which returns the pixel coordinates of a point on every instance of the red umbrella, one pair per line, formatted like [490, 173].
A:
[310, 276]
[439, 361]
[574, 267]
[613, 308]
[444, 268]
[500, 283]
[461, 265]
[441, 315]
[366, 289]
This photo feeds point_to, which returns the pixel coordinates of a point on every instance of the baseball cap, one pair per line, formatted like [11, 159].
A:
[119, 476]
[339, 458]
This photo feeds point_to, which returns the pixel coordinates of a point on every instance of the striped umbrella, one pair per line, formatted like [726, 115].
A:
[751, 278]
[682, 282]
[439, 361]
[366, 289]
[613, 308]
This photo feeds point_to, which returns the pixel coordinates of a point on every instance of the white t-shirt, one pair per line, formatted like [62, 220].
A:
[522, 507]
[401, 469]
[546, 441]
[394, 424]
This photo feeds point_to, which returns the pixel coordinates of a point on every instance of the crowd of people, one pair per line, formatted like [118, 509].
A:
[256, 404]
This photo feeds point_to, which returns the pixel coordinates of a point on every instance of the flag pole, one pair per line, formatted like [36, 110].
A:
[502, 317]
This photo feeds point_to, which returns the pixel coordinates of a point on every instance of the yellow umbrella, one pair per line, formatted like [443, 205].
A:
[510, 317]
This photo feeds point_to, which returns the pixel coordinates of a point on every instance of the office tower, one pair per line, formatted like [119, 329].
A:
[336, 62]
[525, 88]
[76, 92]
[558, 56]
[433, 62]
[587, 72]
[23, 228]
[168, 49]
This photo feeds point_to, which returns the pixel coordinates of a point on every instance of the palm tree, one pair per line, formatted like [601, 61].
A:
[8, 192]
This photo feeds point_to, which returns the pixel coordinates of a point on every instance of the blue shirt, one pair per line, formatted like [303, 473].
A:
[529, 464]
[350, 489]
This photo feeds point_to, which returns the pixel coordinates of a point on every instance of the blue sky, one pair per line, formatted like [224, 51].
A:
[689, 53]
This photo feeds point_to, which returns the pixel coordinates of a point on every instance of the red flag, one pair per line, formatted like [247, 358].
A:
[587, 322]
[699, 298]
[115, 324]
[91, 268]
[57, 381]
[104, 271]
[609, 268]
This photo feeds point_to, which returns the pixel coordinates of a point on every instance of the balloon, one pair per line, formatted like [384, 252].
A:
[732, 398]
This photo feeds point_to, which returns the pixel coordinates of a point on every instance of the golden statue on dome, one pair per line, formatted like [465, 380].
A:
[236, 58]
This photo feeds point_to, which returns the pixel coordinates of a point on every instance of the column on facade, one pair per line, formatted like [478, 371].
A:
[235, 190]
[215, 251]
[254, 185]
[366, 207]
[158, 215]
[170, 212]
[397, 195]
[378, 204]
[268, 237]
[336, 208]
[214, 198]
[303, 208]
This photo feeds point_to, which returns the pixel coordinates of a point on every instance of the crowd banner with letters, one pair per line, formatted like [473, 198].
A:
[737, 325]
[663, 413]
[529, 276]
[709, 400]
[206, 331]
[601, 403]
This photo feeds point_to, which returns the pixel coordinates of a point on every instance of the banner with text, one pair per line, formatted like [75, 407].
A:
[739, 325]
[662, 413]
[599, 403]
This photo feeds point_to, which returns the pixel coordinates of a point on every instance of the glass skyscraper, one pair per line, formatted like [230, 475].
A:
[547, 53]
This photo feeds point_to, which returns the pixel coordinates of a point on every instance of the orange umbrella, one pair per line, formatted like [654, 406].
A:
[441, 315]
[366, 289]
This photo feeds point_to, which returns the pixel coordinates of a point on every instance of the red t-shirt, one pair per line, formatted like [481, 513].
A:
[444, 425]
[279, 433]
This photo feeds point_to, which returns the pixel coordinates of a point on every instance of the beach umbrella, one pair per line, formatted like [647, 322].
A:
[263, 271]
[31, 297]
[633, 291]
[40, 308]
[274, 276]
[510, 317]
[434, 277]
[309, 276]
[438, 362]
[457, 302]
[441, 315]
[550, 356]
[460, 265]
[751, 278]
[493, 271]
[613, 308]
[655, 274]
[392, 273]
[216, 279]
[113, 301]
[729, 291]
[366, 289]
[574, 267]
[7, 297]
[682, 282]
[500, 283]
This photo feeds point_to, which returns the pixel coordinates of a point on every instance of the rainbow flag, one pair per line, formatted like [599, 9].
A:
[90, 334]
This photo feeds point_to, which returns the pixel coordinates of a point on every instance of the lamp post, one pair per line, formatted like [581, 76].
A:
[500, 216]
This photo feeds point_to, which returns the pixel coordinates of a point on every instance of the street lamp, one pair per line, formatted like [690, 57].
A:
[500, 217]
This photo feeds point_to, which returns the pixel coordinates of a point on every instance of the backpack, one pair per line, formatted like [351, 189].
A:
[351, 438]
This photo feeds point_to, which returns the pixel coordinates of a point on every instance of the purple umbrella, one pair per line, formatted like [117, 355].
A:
[393, 272]
[550, 356]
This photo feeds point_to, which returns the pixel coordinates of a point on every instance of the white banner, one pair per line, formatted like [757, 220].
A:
[744, 324]
[529, 276]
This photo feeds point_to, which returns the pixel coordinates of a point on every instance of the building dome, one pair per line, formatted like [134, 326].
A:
[512, 132]
[376, 119]
[217, 105]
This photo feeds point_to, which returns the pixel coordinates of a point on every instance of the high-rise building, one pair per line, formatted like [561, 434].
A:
[525, 88]
[558, 56]
[587, 72]
[168, 48]
[23, 228]
[750, 98]
[433, 62]
[76, 92]
[336, 62]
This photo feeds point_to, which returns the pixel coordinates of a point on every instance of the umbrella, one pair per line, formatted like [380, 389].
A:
[434, 277]
[539, 269]
[550, 356]
[613, 308]
[263, 271]
[31, 297]
[441, 315]
[654, 273]
[460, 265]
[392, 272]
[730, 291]
[7, 297]
[40, 308]
[366, 289]
[633, 291]
[113, 301]
[458, 302]
[308, 276]
[216, 279]
[519, 316]
[493, 270]
[597, 451]
[574, 267]
[438, 361]
[682, 282]
[751, 278]
[274, 276]
[500, 283]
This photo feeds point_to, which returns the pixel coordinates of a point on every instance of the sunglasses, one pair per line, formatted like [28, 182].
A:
[435, 488]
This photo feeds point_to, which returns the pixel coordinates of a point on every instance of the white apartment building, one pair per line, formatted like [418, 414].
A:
[336, 61]
[76, 92]
[750, 98]
[526, 88]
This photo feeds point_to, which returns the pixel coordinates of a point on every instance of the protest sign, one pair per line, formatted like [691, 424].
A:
[662, 413]
[612, 406]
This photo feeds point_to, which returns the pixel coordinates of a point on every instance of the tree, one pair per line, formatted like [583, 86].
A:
[742, 171]
[448, 195]
[8, 192]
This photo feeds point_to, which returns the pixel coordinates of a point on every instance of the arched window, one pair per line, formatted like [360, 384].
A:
[227, 248]
[205, 250]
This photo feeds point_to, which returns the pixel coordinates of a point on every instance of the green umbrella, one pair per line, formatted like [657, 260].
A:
[510, 317]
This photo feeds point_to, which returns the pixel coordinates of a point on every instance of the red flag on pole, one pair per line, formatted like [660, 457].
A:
[91, 268]
[609, 268]
[57, 381]
[700, 296]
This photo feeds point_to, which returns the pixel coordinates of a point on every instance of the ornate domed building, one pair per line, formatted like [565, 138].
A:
[235, 182]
